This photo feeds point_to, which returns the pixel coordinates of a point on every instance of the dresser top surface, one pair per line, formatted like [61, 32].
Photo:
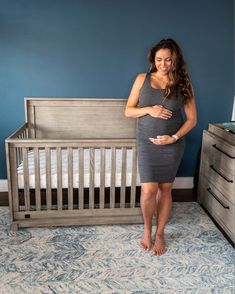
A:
[222, 132]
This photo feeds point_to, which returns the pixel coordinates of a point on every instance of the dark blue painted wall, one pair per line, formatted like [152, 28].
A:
[88, 48]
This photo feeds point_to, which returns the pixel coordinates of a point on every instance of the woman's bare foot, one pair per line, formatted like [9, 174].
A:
[146, 242]
[159, 247]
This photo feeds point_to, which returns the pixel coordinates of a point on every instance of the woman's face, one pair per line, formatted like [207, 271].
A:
[163, 61]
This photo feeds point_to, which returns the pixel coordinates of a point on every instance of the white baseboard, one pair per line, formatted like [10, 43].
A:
[183, 183]
[179, 183]
[3, 186]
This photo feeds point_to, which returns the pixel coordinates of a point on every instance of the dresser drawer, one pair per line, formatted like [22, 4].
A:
[219, 153]
[223, 181]
[218, 206]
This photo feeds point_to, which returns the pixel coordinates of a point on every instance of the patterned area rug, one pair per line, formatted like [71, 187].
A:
[108, 259]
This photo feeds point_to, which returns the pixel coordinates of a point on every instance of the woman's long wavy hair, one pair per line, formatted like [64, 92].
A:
[178, 75]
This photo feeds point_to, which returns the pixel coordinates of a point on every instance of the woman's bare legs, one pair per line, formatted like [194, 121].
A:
[163, 209]
[148, 206]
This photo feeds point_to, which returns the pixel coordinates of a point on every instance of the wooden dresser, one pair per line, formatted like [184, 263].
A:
[216, 191]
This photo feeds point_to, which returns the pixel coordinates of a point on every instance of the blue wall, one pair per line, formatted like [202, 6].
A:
[87, 48]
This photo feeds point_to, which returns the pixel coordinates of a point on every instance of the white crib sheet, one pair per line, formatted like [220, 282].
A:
[42, 160]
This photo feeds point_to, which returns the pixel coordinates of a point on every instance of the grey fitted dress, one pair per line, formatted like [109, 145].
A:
[158, 163]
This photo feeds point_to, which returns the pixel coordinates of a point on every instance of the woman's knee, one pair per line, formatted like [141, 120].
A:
[149, 190]
[165, 188]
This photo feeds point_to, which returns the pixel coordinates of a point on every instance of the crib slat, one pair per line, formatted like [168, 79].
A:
[20, 155]
[133, 177]
[48, 177]
[59, 178]
[37, 178]
[123, 178]
[26, 179]
[14, 175]
[113, 177]
[102, 177]
[26, 132]
[17, 157]
[81, 178]
[92, 178]
[70, 178]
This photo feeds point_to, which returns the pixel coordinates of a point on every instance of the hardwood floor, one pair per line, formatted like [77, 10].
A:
[4, 199]
[178, 195]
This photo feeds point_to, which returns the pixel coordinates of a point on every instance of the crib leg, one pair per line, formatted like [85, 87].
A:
[14, 227]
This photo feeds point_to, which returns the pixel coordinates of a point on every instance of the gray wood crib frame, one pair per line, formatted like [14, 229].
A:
[69, 124]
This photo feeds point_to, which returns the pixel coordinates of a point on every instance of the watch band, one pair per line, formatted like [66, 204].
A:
[175, 137]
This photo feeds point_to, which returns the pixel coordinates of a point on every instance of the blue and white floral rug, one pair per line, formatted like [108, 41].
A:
[108, 259]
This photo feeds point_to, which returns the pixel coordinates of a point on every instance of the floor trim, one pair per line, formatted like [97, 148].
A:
[3, 185]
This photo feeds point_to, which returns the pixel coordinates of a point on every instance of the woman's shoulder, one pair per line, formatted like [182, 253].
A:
[141, 75]
[140, 78]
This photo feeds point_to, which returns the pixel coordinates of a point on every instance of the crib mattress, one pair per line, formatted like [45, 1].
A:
[42, 162]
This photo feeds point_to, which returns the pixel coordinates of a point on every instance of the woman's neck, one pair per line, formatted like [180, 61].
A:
[162, 78]
[159, 81]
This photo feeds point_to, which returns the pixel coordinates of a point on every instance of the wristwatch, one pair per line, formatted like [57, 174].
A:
[176, 137]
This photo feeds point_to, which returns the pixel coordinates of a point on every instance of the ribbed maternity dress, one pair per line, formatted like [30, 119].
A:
[158, 163]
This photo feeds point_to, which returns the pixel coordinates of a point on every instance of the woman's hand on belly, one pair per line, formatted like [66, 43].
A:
[163, 140]
[160, 112]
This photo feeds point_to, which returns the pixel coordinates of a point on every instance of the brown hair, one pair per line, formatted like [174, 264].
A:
[178, 76]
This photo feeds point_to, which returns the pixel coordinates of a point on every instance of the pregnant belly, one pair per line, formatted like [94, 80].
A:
[149, 126]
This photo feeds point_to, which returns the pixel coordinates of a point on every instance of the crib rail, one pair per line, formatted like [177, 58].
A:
[20, 133]
[72, 204]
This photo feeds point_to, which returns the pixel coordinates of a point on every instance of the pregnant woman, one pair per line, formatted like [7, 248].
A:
[156, 99]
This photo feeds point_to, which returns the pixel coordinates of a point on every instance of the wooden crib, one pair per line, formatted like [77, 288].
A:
[73, 162]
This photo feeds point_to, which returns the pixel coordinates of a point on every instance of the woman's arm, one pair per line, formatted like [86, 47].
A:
[191, 118]
[133, 111]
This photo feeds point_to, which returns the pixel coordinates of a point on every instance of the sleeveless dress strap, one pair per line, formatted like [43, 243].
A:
[146, 80]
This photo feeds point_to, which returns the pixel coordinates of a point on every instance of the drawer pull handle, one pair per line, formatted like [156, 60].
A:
[219, 173]
[217, 148]
[210, 191]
